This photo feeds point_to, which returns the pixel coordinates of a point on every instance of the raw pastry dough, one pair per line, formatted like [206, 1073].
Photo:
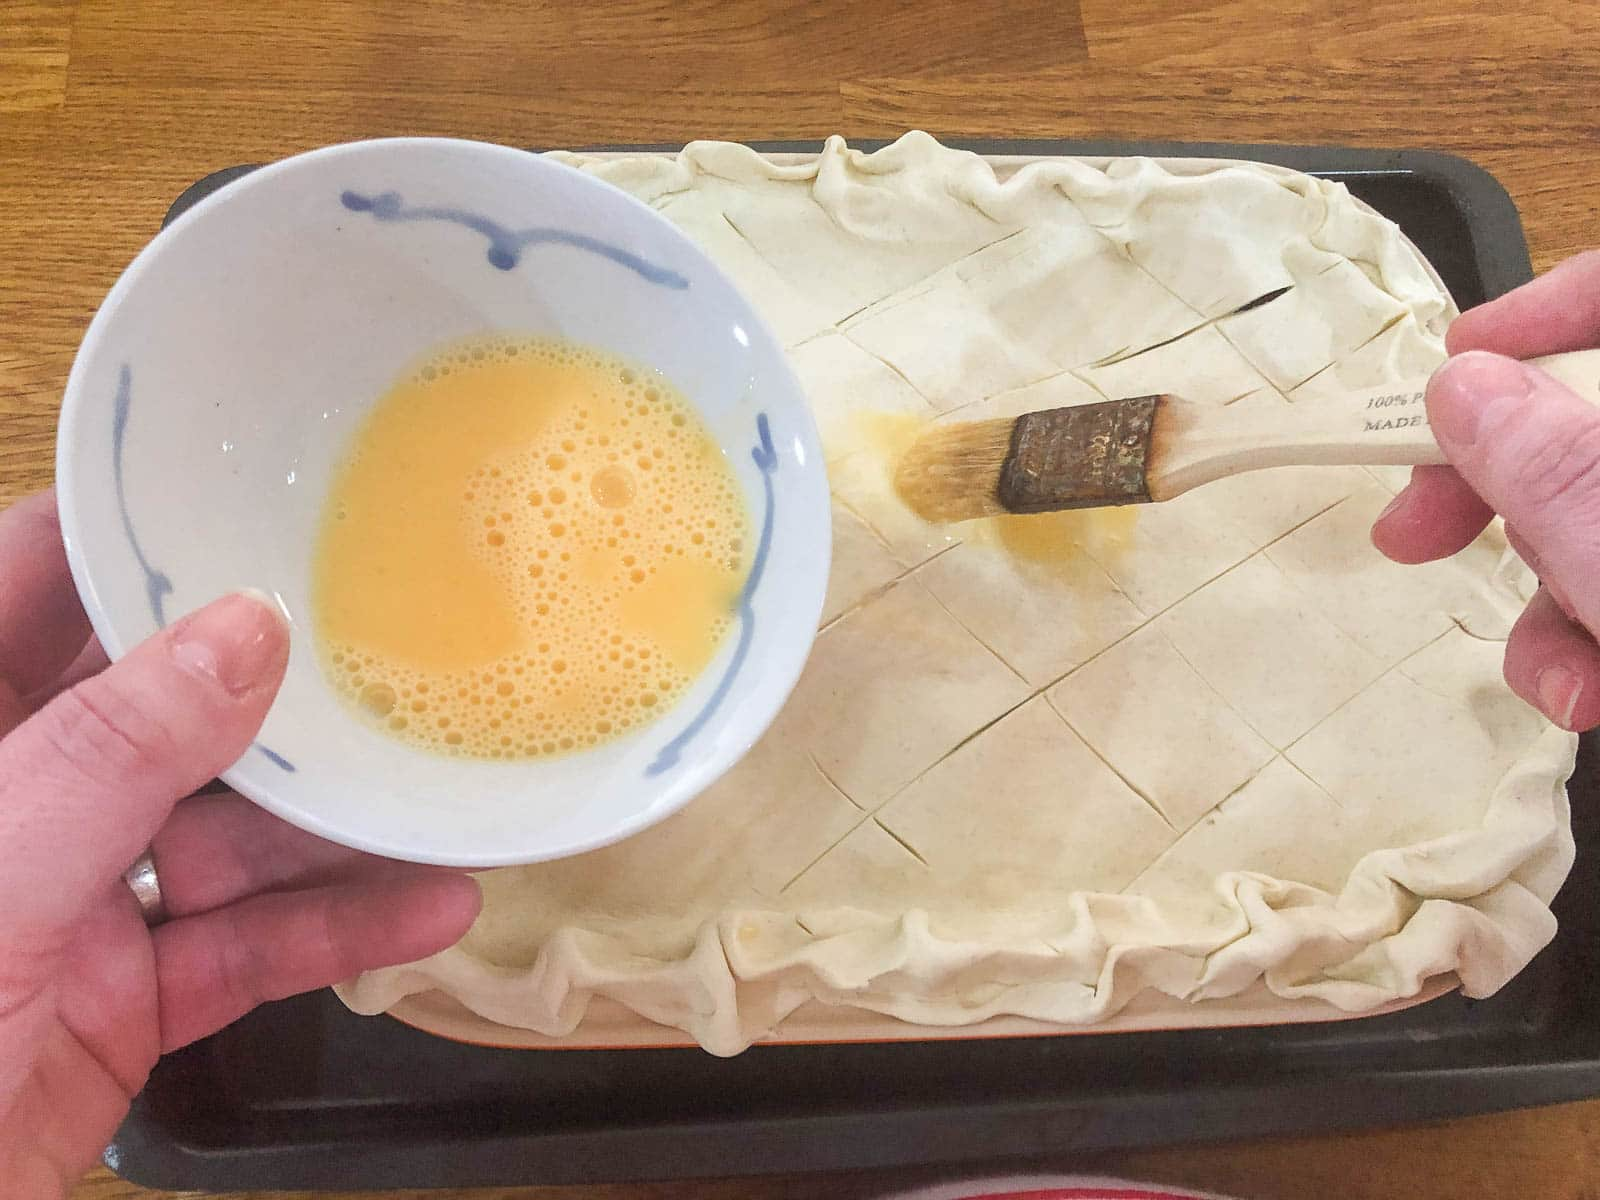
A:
[1236, 746]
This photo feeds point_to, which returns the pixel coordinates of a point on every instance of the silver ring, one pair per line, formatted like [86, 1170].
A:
[146, 888]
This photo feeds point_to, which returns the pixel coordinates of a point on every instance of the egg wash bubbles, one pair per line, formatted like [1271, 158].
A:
[530, 547]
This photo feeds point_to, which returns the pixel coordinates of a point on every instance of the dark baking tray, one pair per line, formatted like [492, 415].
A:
[302, 1094]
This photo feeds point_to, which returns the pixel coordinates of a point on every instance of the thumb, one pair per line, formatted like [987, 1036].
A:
[88, 779]
[1531, 448]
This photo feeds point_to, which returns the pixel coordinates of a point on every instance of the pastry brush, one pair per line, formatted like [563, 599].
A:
[1157, 447]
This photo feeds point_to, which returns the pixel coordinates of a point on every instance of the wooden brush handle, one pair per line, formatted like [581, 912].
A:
[1381, 426]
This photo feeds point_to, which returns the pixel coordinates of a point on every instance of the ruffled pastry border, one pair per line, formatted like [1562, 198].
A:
[1474, 904]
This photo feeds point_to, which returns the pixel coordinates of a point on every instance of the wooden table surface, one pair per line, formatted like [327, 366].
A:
[109, 107]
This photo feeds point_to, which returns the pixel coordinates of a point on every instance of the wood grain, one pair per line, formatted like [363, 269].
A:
[108, 108]
[33, 56]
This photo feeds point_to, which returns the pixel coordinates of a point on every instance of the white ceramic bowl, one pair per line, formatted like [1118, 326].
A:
[224, 374]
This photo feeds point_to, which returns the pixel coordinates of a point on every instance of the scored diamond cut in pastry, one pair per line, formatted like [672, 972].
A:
[1017, 312]
[846, 381]
[1165, 735]
[1201, 747]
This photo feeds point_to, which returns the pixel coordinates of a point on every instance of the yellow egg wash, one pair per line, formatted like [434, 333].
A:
[531, 547]
[1051, 541]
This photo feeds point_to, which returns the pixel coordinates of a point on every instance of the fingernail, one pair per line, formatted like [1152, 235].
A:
[239, 642]
[1559, 691]
[1461, 389]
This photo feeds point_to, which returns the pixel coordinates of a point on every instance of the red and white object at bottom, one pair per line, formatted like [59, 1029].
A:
[1050, 1187]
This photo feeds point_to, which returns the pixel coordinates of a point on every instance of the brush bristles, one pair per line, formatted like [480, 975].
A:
[951, 474]
[1084, 456]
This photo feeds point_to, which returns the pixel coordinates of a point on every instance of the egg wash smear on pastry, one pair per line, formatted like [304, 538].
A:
[531, 547]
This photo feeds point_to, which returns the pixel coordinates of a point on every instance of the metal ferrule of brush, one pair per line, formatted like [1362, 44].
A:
[1079, 457]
